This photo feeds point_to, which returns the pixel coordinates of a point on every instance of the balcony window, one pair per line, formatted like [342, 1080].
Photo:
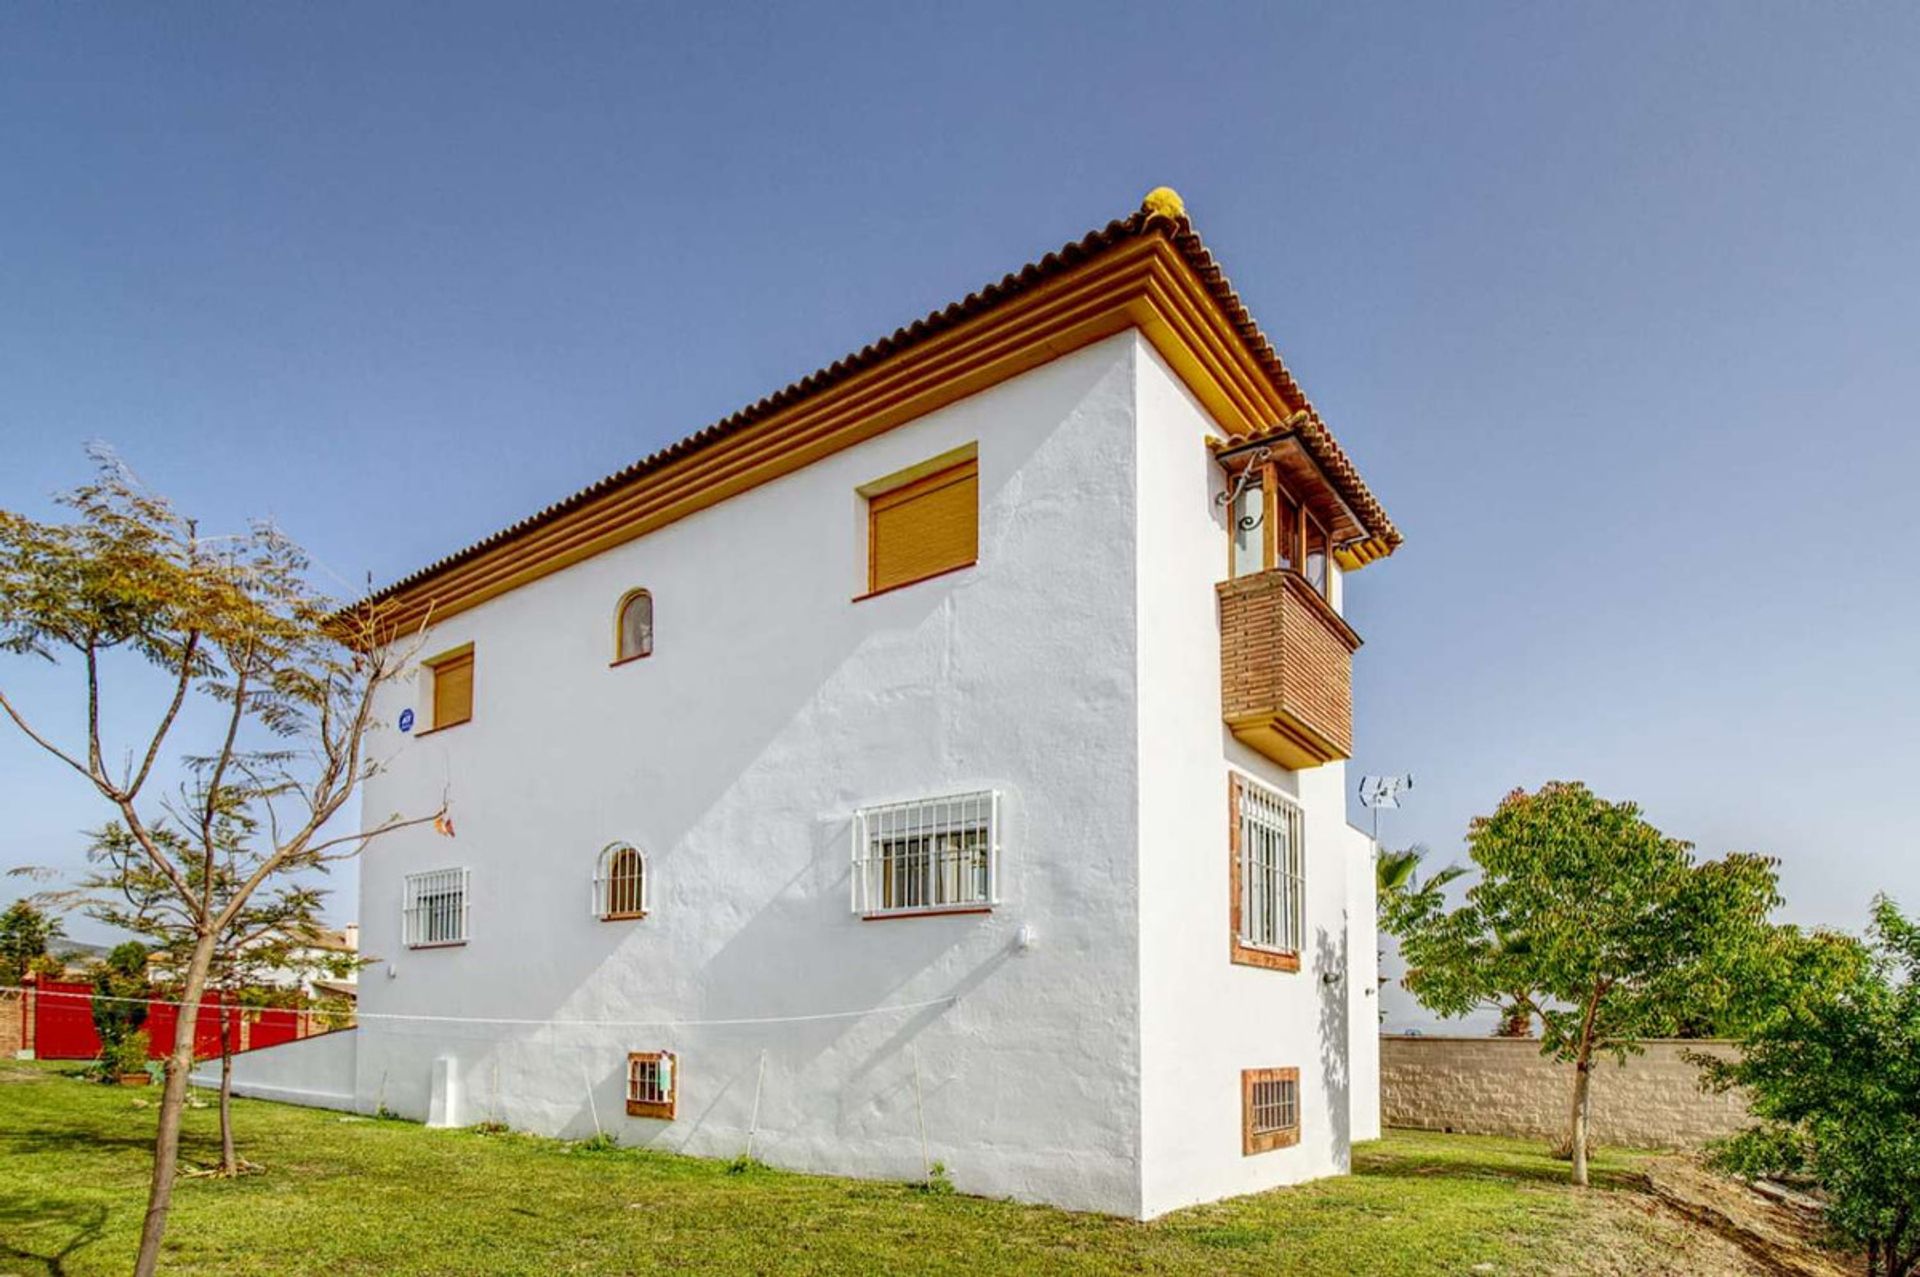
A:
[1276, 522]
[1249, 519]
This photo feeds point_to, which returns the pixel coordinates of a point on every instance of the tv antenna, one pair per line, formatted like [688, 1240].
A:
[1382, 791]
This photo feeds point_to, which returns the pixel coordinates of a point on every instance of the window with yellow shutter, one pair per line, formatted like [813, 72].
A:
[923, 527]
[452, 675]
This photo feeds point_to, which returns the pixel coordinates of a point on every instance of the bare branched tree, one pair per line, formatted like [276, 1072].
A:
[288, 679]
[260, 960]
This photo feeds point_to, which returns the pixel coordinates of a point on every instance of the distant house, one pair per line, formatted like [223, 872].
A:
[940, 759]
[323, 964]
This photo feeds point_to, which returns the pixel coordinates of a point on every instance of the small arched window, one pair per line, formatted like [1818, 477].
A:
[634, 627]
[620, 885]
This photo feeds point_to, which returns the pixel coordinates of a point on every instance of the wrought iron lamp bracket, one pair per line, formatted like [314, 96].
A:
[1227, 498]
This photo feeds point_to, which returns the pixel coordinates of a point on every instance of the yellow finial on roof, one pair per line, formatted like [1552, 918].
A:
[1165, 201]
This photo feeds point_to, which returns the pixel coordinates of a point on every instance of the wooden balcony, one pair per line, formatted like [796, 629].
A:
[1286, 669]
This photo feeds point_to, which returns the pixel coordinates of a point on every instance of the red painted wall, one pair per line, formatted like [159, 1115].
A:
[63, 1021]
[63, 1029]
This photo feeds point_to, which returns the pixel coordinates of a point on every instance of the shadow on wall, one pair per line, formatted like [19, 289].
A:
[714, 803]
[1330, 959]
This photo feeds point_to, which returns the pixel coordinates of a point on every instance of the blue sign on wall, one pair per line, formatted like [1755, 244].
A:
[406, 720]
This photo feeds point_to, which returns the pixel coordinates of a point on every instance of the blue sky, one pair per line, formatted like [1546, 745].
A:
[1618, 308]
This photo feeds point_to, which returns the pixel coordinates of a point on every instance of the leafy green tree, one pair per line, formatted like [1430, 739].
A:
[1833, 1072]
[1605, 926]
[288, 681]
[120, 992]
[26, 931]
[1403, 898]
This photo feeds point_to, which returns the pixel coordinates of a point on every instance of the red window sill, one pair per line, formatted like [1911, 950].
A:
[623, 917]
[890, 914]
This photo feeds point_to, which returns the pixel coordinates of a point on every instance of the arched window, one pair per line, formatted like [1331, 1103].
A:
[635, 627]
[620, 885]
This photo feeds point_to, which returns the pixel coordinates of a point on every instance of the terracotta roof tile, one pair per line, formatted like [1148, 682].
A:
[1179, 231]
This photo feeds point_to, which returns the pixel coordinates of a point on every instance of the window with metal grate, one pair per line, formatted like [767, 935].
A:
[932, 855]
[434, 911]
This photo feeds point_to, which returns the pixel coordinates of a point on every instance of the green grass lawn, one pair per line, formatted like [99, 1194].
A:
[346, 1195]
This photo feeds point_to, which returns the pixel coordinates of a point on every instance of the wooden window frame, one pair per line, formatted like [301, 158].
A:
[619, 628]
[957, 466]
[434, 665]
[1240, 952]
[661, 1109]
[1291, 541]
[1252, 1141]
[604, 889]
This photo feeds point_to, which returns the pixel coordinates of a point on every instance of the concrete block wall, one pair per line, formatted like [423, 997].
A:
[1504, 1086]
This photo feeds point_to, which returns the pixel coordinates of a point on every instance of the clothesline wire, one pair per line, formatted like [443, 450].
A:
[948, 1000]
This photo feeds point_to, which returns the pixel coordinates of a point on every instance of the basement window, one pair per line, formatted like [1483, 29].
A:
[653, 1084]
[435, 909]
[932, 855]
[1269, 1109]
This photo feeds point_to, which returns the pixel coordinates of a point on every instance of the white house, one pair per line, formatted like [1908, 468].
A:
[940, 760]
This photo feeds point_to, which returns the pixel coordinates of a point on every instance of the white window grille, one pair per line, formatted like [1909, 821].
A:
[435, 911]
[1276, 1104]
[928, 855]
[1272, 886]
[620, 883]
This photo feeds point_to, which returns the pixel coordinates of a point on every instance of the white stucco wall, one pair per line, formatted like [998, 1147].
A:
[772, 707]
[1204, 1019]
[316, 1071]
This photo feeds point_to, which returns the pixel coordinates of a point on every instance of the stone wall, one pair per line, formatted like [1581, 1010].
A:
[1503, 1086]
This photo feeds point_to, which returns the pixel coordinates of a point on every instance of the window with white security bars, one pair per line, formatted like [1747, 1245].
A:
[435, 911]
[928, 856]
[1269, 886]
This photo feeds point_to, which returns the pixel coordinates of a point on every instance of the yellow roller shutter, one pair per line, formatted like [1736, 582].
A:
[453, 688]
[927, 527]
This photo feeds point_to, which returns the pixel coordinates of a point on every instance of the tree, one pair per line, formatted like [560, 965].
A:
[1834, 1075]
[1402, 896]
[268, 939]
[25, 932]
[1604, 926]
[120, 992]
[287, 681]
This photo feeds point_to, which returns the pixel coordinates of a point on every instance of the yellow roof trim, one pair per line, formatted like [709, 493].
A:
[1141, 274]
